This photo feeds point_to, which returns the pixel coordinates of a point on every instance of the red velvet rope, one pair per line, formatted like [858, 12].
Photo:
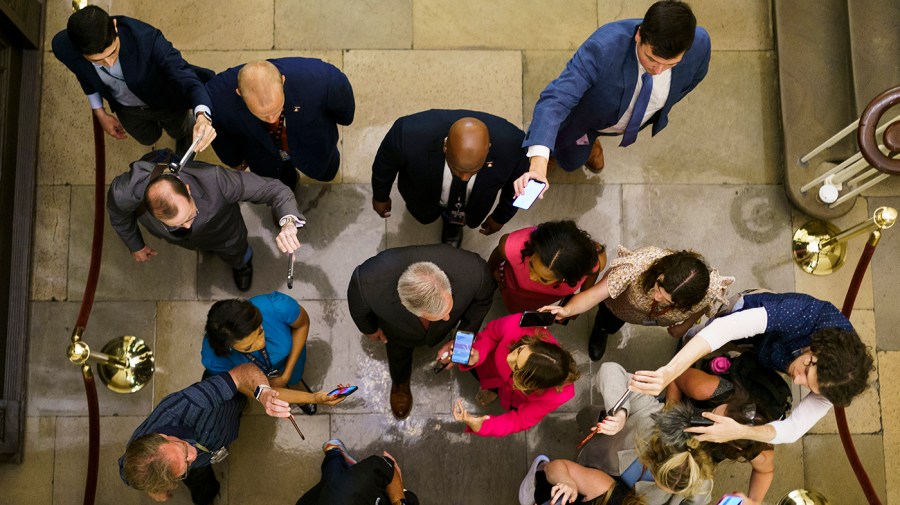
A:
[843, 428]
[87, 303]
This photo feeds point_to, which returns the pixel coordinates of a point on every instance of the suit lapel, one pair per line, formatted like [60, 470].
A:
[629, 78]
[435, 170]
[254, 128]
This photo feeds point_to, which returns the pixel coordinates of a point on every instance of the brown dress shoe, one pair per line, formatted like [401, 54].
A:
[595, 160]
[401, 400]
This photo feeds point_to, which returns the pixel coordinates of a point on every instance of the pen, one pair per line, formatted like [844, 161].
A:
[610, 412]
[296, 427]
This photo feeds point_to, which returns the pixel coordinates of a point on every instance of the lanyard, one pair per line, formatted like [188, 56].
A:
[265, 365]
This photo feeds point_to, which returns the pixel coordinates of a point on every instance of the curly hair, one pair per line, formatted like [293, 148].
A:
[564, 248]
[685, 276]
[549, 365]
[843, 364]
[229, 321]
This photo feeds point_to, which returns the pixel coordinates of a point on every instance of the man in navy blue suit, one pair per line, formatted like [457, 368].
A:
[146, 82]
[281, 115]
[451, 164]
[627, 75]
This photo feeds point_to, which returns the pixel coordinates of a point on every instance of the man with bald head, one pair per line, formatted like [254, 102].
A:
[278, 116]
[451, 164]
[197, 208]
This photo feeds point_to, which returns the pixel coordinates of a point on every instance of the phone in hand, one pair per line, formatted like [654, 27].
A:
[532, 318]
[342, 392]
[462, 347]
[532, 191]
[730, 500]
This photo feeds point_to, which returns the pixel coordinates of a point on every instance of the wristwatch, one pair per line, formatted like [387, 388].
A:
[204, 114]
[260, 389]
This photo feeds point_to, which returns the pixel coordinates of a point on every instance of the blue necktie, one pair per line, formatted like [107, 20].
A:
[640, 107]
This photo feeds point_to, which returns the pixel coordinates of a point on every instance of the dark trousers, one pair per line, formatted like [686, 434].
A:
[203, 485]
[146, 125]
[400, 361]
[606, 321]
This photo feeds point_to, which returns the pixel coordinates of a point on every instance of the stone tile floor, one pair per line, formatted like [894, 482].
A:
[709, 182]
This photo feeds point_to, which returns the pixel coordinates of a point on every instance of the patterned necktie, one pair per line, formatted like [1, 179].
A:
[640, 107]
[457, 194]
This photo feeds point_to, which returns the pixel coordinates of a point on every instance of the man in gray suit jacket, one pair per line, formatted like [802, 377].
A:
[413, 296]
[197, 208]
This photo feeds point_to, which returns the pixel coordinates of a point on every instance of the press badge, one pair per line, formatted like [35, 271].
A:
[457, 217]
[284, 155]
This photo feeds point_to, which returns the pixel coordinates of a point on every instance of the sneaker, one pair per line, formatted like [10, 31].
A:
[335, 444]
[526, 489]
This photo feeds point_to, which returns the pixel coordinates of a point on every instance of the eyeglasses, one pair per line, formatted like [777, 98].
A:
[187, 462]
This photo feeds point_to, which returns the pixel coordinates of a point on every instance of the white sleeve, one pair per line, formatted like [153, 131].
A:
[95, 100]
[736, 326]
[802, 419]
[542, 151]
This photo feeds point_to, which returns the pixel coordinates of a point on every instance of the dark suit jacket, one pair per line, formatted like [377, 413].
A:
[413, 148]
[216, 191]
[374, 302]
[595, 88]
[317, 97]
[154, 70]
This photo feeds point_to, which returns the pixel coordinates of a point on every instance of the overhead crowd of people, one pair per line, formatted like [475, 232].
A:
[659, 433]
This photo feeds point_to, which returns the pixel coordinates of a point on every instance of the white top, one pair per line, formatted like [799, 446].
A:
[745, 324]
[445, 185]
[658, 96]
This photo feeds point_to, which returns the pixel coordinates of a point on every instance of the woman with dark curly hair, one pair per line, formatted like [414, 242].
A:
[541, 264]
[806, 338]
[652, 287]
[525, 367]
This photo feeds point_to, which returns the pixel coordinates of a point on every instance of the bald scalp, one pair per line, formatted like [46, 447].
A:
[468, 142]
[164, 195]
[260, 82]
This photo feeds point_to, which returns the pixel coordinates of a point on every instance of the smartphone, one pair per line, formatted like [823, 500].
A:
[730, 500]
[532, 190]
[699, 420]
[462, 347]
[342, 392]
[531, 318]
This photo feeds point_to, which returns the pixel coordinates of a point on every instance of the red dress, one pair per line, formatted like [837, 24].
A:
[519, 292]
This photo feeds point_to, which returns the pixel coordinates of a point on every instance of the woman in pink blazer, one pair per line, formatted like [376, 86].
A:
[525, 367]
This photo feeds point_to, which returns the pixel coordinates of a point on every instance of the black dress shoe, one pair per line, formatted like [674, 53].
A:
[243, 276]
[597, 344]
[452, 234]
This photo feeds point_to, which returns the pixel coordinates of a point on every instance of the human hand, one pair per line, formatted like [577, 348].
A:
[143, 255]
[378, 336]
[489, 226]
[611, 424]
[203, 128]
[563, 492]
[382, 208]
[287, 239]
[443, 354]
[559, 311]
[650, 382]
[274, 407]
[322, 398]
[538, 171]
[473, 422]
[161, 496]
[725, 429]
[110, 124]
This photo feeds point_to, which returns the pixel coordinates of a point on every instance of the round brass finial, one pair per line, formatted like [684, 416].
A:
[79, 352]
[885, 217]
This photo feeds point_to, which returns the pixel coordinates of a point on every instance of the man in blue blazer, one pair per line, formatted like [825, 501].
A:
[279, 115]
[635, 65]
[146, 82]
[431, 151]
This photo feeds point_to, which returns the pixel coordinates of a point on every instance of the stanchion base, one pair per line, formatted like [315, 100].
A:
[807, 253]
[139, 362]
[803, 497]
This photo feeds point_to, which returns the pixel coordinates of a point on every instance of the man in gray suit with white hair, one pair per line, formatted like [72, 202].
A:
[413, 296]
